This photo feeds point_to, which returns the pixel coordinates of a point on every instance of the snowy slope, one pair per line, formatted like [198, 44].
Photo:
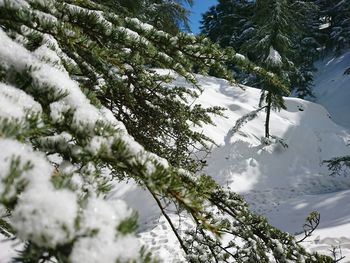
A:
[332, 87]
[284, 184]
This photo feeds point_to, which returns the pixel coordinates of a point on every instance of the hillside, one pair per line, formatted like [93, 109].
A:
[332, 87]
[284, 182]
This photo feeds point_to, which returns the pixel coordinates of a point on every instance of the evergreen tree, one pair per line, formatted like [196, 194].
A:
[325, 17]
[168, 15]
[225, 22]
[307, 52]
[340, 25]
[229, 23]
[335, 29]
[270, 45]
[276, 34]
[233, 23]
[71, 73]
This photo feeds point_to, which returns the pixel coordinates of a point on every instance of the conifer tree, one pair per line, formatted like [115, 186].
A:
[229, 23]
[225, 22]
[335, 32]
[170, 16]
[280, 27]
[340, 25]
[276, 34]
[270, 46]
[307, 52]
[71, 73]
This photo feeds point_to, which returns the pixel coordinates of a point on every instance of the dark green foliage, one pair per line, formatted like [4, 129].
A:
[169, 16]
[226, 21]
[32, 253]
[128, 225]
[244, 25]
[335, 32]
[229, 23]
[340, 25]
[284, 28]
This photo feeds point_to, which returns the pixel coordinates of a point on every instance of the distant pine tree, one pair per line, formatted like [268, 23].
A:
[308, 50]
[340, 25]
[229, 23]
[225, 22]
[168, 15]
[276, 34]
[279, 26]
[335, 29]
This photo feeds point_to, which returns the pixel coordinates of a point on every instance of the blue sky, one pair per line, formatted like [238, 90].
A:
[199, 7]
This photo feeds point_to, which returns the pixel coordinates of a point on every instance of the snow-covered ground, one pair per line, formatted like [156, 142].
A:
[332, 87]
[283, 183]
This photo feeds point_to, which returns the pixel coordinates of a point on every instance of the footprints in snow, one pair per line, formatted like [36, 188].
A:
[325, 245]
[162, 241]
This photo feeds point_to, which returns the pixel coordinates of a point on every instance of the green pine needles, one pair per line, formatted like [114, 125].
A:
[82, 106]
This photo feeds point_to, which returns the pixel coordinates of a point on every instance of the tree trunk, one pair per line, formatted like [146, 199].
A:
[268, 112]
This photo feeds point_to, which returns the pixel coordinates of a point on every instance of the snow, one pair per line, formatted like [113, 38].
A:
[7, 250]
[144, 26]
[45, 53]
[45, 16]
[13, 54]
[15, 3]
[99, 143]
[105, 249]
[58, 82]
[104, 246]
[284, 184]
[16, 104]
[103, 216]
[43, 214]
[240, 56]
[35, 219]
[332, 87]
[274, 57]
[129, 33]
[39, 173]
[325, 25]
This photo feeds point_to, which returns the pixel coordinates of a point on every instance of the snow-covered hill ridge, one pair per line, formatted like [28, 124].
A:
[283, 183]
[332, 87]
